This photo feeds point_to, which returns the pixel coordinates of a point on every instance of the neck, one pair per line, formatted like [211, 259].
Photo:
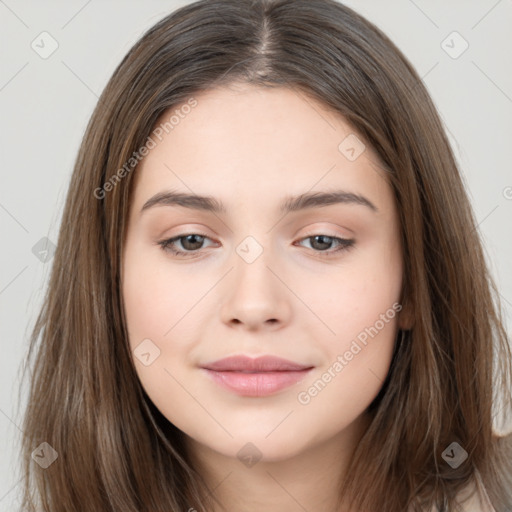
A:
[307, 481]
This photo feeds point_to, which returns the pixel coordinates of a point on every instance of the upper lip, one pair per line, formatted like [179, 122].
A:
[258, 364]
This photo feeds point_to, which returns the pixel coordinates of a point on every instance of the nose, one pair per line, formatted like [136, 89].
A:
[255, 296]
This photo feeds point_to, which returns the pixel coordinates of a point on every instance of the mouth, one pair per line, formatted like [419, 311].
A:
[257, 377]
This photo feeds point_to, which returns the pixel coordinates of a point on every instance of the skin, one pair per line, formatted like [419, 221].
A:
[251, 147]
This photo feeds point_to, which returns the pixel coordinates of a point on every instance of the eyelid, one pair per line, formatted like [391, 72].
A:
[324, 232]
[184, 235]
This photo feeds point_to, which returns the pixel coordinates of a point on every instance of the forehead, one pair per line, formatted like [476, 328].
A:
[256, 143]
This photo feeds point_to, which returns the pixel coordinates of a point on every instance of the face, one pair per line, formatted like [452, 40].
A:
[261, 271]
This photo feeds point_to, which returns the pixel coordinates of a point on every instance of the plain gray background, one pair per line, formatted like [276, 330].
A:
[46, 103]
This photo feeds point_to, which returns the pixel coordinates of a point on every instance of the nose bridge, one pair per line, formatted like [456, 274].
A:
[255, 295]
[252, 262]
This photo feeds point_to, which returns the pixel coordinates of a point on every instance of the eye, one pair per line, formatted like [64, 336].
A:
[321, 243]
[192, 243]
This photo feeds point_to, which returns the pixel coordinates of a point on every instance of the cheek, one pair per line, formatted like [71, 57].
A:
[154, 307]
[155, 298]
[355, 366]
[363, 313]
[143, 307]
[352, 296]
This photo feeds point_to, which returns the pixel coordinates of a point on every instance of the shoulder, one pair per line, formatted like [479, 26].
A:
[474, 497]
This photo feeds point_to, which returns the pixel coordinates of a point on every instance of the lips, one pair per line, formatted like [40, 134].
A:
[257, 365]
[259, 376]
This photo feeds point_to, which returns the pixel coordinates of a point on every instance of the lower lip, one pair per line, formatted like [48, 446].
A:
[257, 384]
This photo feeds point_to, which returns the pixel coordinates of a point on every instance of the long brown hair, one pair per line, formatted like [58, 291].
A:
[116, 452]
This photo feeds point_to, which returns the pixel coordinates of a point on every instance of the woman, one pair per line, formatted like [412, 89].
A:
[268, 291]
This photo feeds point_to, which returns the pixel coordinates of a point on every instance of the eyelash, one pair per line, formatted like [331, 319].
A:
[344, 245]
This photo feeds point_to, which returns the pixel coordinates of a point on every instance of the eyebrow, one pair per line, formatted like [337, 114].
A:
[290, 204]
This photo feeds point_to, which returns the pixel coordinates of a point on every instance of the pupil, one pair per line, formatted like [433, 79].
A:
[190, 238]
[325, 240]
